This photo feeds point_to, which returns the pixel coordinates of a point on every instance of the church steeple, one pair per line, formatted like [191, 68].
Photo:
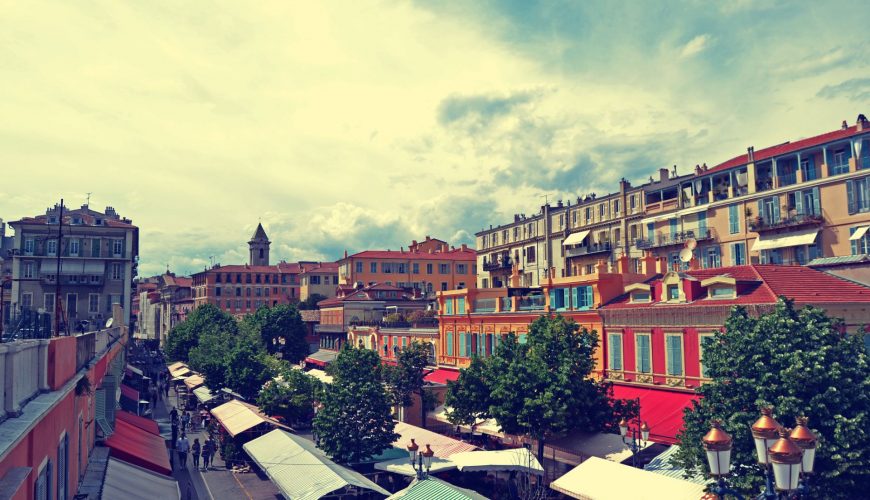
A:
[259, 247]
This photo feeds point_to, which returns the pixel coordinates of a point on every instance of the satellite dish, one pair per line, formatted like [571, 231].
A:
[685, 255]
[691, 243]
[109, 322]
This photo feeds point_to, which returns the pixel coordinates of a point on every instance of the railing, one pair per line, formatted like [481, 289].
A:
[531, 303]
[329, 328]
[485, 305]
[588, 249]
[680, 238]
[27, 324]
[797, 220]
[788, 179]
[423, 323]
[85, 349]
[504, 263]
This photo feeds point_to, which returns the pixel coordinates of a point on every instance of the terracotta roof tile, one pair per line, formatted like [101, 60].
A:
[459, 254]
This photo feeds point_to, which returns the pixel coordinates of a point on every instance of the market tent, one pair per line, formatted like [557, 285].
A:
[177, 366]
[139, 447]
[127, 481]
[194, 380]
[661, 408]
[403, 466]
[321, 357]
[665, 465]
[443, 446]
[237, 417]
[516, 459]
[146, 424]
[320, 375]
[602, 445]
[180, 372]
[299, 469]
[599, 479]
[441, 376]
[204, 394]
[489, 426]
[432, 488]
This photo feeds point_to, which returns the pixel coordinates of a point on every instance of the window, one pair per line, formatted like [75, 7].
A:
[28, 246]
[631, 203]
[48, 302]
[461, 268]
[614, 348]
[674, 354]
[416, 267]
[808, 169]
[51, 247]
[460, 305]
[702, 224]
[771, 256]
[840, 161]
[116, 271]
[673, 292]
[560, 298]
[504, 236]
[860, 244]
[443, 286]
[738, 254]
[616, 207]
[721, 292]
[95, 247]
[258, 292]
[582, 298]
[239, 278]
[858, 195]
[574, 218]
[248, 278]
[257, 279]
[315, 280]
[449, 341]
[640, 296]
[248, 291]
[117, 247]
[644, 356]
[448, 306]
[530, 254]
[711, 257]
[74, 247]
[673, 228]
[428, 268]
[588, 214]
[217, 291]
[42, 487]
[27, 300]
[27, 270]
[462, 344]
[601, 211]
[93, 303]
[704, 340]
[650, 231]
[444, 268]
[561, 221]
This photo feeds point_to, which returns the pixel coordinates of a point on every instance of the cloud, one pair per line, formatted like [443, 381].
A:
[695, 46]
[856, 89]
[481, 109]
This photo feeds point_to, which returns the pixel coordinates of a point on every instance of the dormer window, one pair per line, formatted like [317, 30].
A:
[98, 222]
[673, 292]
[672, 288]
[640, 297]
[639, 293]
[720, 287]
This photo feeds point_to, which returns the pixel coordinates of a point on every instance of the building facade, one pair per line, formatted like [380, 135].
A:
[319, 278]
[163, 304]
[97, 255]
[428, 266]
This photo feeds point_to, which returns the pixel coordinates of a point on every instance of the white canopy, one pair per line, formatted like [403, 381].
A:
[443, 446]
[517, 459]
[403, 466]
[489, 426]
[128, 481]
[859, 233]
[434, 488]
[576, 238]
[792, 239]
[299, 469]
[598, 479]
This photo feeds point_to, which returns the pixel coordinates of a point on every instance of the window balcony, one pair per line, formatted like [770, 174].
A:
[760, 224]
[498, 264]
[592, 249]
[531, 303]
[680, 238]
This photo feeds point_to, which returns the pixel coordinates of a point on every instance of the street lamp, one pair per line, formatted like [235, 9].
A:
[635, 438]
[420, 459]
[787, 456]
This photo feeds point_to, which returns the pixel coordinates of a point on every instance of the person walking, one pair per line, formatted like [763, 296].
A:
[182, 447]
[207, 452]
[174, 432]
[185, 422]
[173, 415]
[196, 449]
[166, 388]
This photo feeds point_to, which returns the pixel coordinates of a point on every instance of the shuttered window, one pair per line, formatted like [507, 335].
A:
[450, 343]
[674, 349]
[644, 356]
[62, 479]
[614, 344]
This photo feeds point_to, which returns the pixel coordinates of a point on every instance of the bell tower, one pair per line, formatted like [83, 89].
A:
[259, 247]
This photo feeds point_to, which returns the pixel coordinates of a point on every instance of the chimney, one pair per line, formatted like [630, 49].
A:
[601, 267]
[844, 125]
[428, 238]
[662, 265]
[622, 264]
[750, 153]
[694, 264]
[559, 204]
[648, 264]
[663, 174]
[698, 169]
[861, 122]
[345, 253]
[464, 247]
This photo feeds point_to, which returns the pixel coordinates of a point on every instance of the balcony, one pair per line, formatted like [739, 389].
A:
[505, 263]
[761, 224]
[422, 323]
[680, 238]
[531, 303]
[592, 249]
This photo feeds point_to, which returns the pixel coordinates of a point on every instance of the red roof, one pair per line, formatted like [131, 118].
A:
[319, 267]
[146, 424]
[442, 376]
[139, 447]
[88, 218]
[660, 408]
[790, 147]
[458, 254]
[129, 392]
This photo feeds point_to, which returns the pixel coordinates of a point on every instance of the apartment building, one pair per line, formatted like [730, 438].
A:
[428, 266]
[91, 257]
[163, 303]
[786, 204]
[6, 254]
[319, 278]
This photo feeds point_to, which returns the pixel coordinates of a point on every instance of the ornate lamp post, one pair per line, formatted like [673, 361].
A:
[420, 459]
[787, 457]
[634, 440]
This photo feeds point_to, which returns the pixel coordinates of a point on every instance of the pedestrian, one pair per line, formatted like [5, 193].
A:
[174, 432]
[166, 388]
[207, 452]
[182, 447]
[185, 422]
[196, 449]
[173, 415]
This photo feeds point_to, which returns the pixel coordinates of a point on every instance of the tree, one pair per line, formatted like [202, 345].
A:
[185, 336]
[468, 397]
[799, 362]
[247, 366]
[209, 357]
[543, 388]
[406, 378]
[355, 422]
[292, 397]
[280, 328]
[311, 302]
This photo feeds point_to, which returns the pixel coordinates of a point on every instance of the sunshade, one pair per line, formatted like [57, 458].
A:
[180, 372]
[129, 393]
[517, 459]
[792, 239]
[299, 469]
[859, 233]
[175, 366]
[129, 482]
[194, 381]
[320, 375]
[576, 238]
[321, 357]
[403, 466]
[443, 446]
[237, 417]
[599, 479]
[489, 426]
[146, 424]
[204, 394]
[139, 447]
[433, 488]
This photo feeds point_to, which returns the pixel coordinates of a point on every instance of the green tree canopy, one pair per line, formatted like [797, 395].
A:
[292, 397]
[406, 378]
[281, 329]
[355, 422]
[185, 335]
[247, 365]
[799, 362]
[311, 302]
[542, 388]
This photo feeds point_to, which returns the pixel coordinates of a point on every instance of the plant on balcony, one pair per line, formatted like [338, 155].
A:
[83, 386]
[394, 318]
[755, 223]
[799, 362]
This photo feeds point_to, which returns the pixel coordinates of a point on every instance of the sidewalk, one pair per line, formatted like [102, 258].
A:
[190, 484]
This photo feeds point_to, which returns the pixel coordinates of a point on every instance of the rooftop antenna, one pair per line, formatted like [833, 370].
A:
[88, 202]
[546, 197]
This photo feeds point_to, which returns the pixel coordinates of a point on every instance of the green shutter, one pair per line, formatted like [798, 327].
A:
[589, 299]
[450, 343]
[575, 298]
[643, 354]
[615, 352]
[817, 209]
[552, 298]
[462, 344]
[850, 196]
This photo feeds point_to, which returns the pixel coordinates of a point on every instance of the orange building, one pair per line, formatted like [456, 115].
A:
[428, 266]
[475, 321]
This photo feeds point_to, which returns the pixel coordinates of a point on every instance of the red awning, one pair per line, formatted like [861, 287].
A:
[139, 447]
[146, 424]
[441, 376]
[660, 408]
[129, 392]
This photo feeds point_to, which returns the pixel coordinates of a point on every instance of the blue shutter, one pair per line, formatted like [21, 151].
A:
[760, 208]
[673, 225]
[850, 197]
[450, 343]
[566, 297]
[589, 297]
[702, 224]
[799, 203]
[650, 231]
[462, 344]
[817, 208]
[775, 209]
[575, 295]
[853, 243]
[552, 298]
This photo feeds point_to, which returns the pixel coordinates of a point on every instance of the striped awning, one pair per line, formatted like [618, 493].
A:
[431, 487]
[204, 394]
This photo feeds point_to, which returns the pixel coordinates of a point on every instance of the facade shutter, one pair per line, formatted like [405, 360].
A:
[817, 202]
[850, 196]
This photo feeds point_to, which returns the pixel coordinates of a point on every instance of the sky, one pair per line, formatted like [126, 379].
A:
[366, 124]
